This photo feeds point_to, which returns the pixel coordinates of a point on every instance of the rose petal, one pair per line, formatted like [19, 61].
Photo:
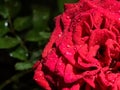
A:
[70, 76]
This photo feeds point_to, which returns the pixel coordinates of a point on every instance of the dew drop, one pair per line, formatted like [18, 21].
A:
[68, 45]
[80, 46]
[36, 79]
[75, 48]
[118, 11]
[68, 53]
[60, 63]
[6, 24]
[26, 54]
[60, 35]
[110, 7]
[78, 20]
[96, 41]
[68, 17]
[119, 19]
[40, 74]
[11, 54]
[82, 39]
[113, 81]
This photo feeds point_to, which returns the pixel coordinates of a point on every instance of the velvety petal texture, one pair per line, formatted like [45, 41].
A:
[83, 52]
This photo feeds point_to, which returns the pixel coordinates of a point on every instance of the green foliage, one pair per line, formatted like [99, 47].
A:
[37, 36]
[22, 23]
[62, 2]
[8, 42]
[19, 53]
[4, 11]
[25, 27]
[23, 65]
[40, 17]
[3, 27]
[13, 7]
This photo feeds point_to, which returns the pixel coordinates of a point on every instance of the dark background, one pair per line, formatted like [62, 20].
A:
[25, 27]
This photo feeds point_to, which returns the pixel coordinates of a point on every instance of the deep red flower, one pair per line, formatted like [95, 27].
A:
[83, 52]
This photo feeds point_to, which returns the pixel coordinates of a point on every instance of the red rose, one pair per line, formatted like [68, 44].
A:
[83, 52]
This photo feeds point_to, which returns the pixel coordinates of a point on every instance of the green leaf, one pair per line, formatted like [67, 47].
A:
[60, 5]
[44, 35]
[22, 23]
[4, 11]
[20, 53]
[23, 65]
[8, 42]
[62, 2]
[3, 28]
[37, 35]
[13, 7]
[40, 17]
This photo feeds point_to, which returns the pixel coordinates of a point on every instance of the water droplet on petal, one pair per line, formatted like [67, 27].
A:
[60, 34]
[40, 74]
[60, 63]
[68, 45]
[82, 39]
[110, 7]
[119, 19]
[36, 79]
[75, 48]
[96, 41]
[78, 20]
[80, 46]
[68, 53]
[118, 11]
[113, 81]
[68, 17]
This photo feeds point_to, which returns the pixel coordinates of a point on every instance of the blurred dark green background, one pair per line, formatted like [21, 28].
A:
[25, 27]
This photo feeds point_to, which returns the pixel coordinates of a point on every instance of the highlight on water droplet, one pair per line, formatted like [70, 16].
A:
[68, 17]
[60, 34]
[6, 24]
[11, 54]
[78, 20]
[60, 63]
[26, 54]
[68, 53]
[68, 45]
[119, 19]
